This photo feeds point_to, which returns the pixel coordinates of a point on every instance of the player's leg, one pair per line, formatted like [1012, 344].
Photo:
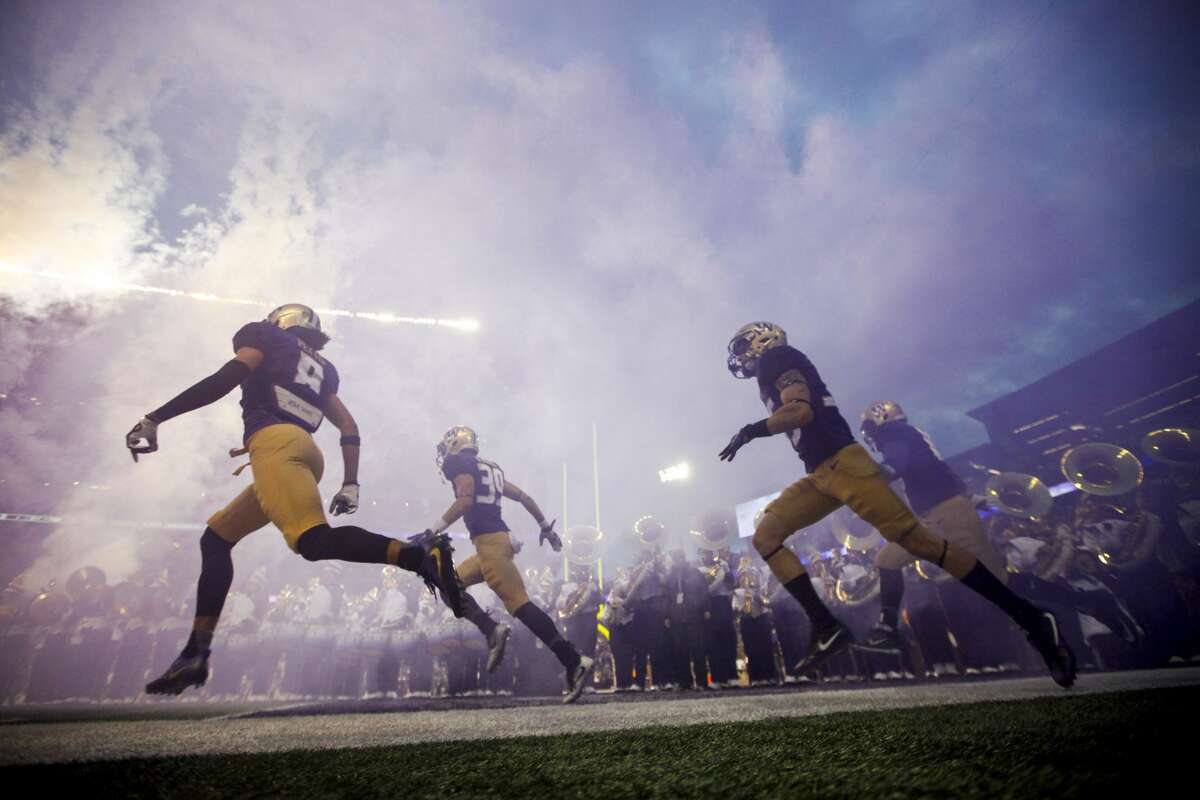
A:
[800, 505]
[470, 572]
[884, 637]
[502, 576]
[226, 528]
[287, 465]
[855, 480]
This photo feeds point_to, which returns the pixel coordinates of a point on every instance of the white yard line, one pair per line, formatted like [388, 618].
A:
[44, 743]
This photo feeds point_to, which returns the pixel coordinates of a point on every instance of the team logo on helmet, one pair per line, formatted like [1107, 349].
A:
[749, 343]
[304, 321]
[456, 440]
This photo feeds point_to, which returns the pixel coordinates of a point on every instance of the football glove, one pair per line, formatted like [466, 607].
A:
[548, 535]
[142, 438]
[345, 501]
[742, 438]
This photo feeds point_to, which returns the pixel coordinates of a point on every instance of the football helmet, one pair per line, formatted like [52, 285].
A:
[749, 343]
[880, 413]
[456, 440]
[303, 318]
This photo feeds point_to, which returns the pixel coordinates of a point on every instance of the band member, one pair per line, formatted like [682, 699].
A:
[841, 472]
[687, 598]
[479, 486]
[578, 607]
[791, 626]
[647, 603]
[755, 625]
[719, 631]
[288, 388]
[937, 496]
[619, 631]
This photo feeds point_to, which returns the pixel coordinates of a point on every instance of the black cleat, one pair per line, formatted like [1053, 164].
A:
[578, 678]
[496, 643]
[1056, 652]
[823, 645]
[437, 569]
[883, 639]
[184, 671]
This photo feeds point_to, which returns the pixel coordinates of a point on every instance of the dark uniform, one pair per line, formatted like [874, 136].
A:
[281, 409]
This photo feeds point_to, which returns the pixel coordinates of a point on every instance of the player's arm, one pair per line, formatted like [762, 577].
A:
[795, 411]
[513, 492]
[143, 438]
[346, 500]
[464, 498]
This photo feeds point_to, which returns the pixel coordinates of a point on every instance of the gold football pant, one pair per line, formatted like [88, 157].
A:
[954, 520]
[287, 464]
[852, 478]
[493, 563]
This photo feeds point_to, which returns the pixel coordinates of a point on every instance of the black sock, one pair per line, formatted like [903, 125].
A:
[345, 543]
[543, 627]
[802, 589]
[1021, 610]
[478, 616]
[216, 574]
[891, 589]
[198, 642]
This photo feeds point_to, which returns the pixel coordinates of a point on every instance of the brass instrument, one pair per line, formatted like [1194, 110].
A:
[1018, 494]
[1178, 447]
[581, 545]
[852, 532]
[856, 584]
[931, 572]
[649, 531]
[573, 602]
[1115, 533]
[717, 531]
[624, 614]
[749, 583]
[1102, 469]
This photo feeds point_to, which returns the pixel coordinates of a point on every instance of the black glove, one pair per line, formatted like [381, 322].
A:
[145, 431]
[754, 430]
[548, 535]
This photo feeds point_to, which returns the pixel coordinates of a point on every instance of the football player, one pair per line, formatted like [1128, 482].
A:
[288, 388]
[939, 499]
[841, 472]
[479, 485]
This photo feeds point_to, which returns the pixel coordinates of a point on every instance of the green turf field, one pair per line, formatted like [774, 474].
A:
[1086, 746]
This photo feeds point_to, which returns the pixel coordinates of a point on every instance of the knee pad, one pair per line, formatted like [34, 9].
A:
[316, 543]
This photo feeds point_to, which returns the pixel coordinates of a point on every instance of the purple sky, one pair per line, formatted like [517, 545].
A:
[939, 201]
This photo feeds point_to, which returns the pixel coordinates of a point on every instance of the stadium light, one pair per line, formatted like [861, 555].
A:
[676, 472]
[104, 284]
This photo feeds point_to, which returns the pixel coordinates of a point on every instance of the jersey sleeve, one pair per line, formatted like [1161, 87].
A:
[254, 334]
[896, 455]
[458, 464]
[778, 361]
[331, 380]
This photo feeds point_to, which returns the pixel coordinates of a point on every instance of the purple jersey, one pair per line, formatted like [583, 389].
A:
[290, 386]
[828, 431]
[484, 514]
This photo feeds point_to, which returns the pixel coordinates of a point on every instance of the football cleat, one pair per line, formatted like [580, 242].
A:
[496, 643]
[437, 569]
[1056, 652]
[577, 678]
[823, 645]
[184, 671]
[883, 639]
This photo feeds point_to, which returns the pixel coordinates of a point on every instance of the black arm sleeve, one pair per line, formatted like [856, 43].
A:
[209, 390]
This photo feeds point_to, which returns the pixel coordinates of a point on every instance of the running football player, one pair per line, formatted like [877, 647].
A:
[479, 485]
[841, 472]
[288, 388]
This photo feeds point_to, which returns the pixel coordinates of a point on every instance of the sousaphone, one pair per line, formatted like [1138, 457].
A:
[1018, 494]
[581, 545]
[718, 530]
[1102, 469]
